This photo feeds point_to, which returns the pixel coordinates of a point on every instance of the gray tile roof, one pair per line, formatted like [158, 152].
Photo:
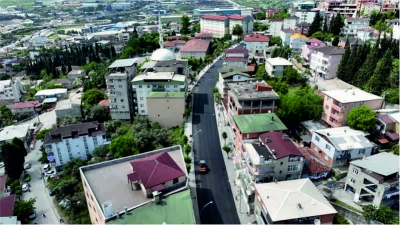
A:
[57, 134]
[330, 50]
[383, 163]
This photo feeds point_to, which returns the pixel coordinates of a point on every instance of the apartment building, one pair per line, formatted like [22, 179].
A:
[309, 47]
[51, 95]
[21, 131]
[73, 74]
[395, 24]
[236, 57]
[276, 66]
[375, 180]
[137, 184]
[230, 74]
[245, 21]
[285, 35]
[30, 107]
[256, 45]
[195, 48]
[368, 8]
[390, 5]
[325, 61]
[216, 25]
[369, 33]
[119, 88]
[73, 141]
[11, 90]
[348, 10]
[271, 11]
[389, 125]
[251, 98]
[360, 3]
[338, 146]
[338, 103]
[168, 76]
[306, 15]
[297, 41]
[352, 25]
[292, 202]
[290, 22]
[275, 27]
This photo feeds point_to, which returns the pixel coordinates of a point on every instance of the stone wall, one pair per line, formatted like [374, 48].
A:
[355, 217]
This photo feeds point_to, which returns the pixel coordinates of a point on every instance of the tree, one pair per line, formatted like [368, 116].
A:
[377, 83]
[275, 41]
[92, 97]
[185, 24]
[98, 113]
[227, 149]
[224, 136]
[369, 211]
[13, 154]
[367, 69]
[335, 41]
[68, 187]
[6, 116]
[261, 15]
[279, 86]
[361, 118]
[187, 149]
[341, 71]
[237, 30]
[196, 28]
[336, 24]
[23, 209]
[40, 136]
[315, 25]
[291, 75]
[101, 151]
[72, 167]
[123, 146]
[112, 126]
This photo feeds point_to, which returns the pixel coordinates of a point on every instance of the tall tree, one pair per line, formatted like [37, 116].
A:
[367, 68]
[378, 82]
[336, 24]
[315, 25]
[352, 66]
[237, 30]
[23, 209]
[13, 154]
[185, 24]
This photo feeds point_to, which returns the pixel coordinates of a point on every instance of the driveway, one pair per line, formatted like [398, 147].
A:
[213, 186]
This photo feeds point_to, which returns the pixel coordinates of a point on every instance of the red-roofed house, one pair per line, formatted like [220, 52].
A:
[256, 45]
[195, 48]
[26, 107]
[175, 45]
[204, 36]
[7, 206]
[314, 168]
[216, 25]
[273, 157]
[236, 57]
[246, 22]
[156, 173]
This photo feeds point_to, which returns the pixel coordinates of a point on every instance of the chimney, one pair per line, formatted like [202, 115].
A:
[126, 210]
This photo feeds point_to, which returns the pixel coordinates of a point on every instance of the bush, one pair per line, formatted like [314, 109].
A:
[188, 167]
[339, 219]
[187, 159]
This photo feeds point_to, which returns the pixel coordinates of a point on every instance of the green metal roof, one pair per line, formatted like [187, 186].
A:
[174, 209]
[163, 94]
[257, 123]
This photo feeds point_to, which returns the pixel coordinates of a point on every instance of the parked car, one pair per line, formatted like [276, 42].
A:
[27, 166]
[46, 167]
[1, 164]
[27, 177]
[49, 173]
[25, 187]
[53, 192]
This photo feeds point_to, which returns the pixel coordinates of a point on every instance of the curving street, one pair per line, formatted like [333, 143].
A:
[213, 186]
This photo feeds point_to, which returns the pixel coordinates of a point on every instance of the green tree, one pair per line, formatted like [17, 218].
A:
[335, 41]
[196, 27]
[384, 214]
[367, 69]
[71, 168]
[369, 212]
[224, 136]
[123, 146]
[23, 209]
[40, 136]
[315, 25]
[394, 74]
[261, 73]
[291, 75]
[101, 151]
[279, 86]
[341, 71]
[237, 30]
[6, 116]
[275, 41]
[97, 113]
[361, 118]
[261, 15]
[336, 24]
[185, 24]
[378, 82]
[13, 153]
[68, 187]
[92, 97]
[112, 126]
[227, 149]
[187, 149]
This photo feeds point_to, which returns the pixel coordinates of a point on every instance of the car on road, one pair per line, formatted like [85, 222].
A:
[50, 173]
[46, 167]
[53, 192]
[27, 177]
[203, 166]
[25, 187]
[1, 164]
[32, 216]
[27, 166]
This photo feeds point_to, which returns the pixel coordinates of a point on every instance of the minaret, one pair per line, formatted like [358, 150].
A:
[161, 36]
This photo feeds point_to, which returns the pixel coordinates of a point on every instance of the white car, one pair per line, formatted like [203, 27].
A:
[25, 187]
[49, 173]
[27, 166]
[1, 164]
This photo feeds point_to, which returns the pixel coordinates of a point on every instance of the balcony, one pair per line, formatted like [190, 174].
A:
[158, 89]
[337, 116]
[336, 107]
[332, 123]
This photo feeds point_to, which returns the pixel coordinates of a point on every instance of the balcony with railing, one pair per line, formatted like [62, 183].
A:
[333, 123]
[158, 89]
[336, 108]
[337, 116]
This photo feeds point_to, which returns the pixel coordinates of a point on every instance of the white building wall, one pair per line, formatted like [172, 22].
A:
[289, 23]
[256, 46]
[351, 27]
[275, 28]
[396, 31]
[306, 16]
[316, 62]
[196, 55]
[297, 44]
[274, 72]
[285, 37]
[216, 27]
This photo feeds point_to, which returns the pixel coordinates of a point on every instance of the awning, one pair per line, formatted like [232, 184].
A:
[159, 187]
[392, 135]
[306, 138]
[383, 140]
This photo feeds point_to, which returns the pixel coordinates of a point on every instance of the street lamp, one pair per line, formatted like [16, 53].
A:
[211, 202]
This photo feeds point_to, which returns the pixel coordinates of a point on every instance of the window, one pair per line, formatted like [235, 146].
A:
[142, 111]
[355, 171]
[120, 86]
[326, 106]
[328, 147]
[148, 86]
[119, 80]
[361, 151]
[94, 209]
[140, 86]
[141, 98]
[175, 181]
[281, 163]
[122, 100]
[352, 105]
[316, 138]
[175, 86]
[352, 180]
[141, 105]
[326, 157]
[293, 168]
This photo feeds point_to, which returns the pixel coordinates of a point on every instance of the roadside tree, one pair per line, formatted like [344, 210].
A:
[23, 209]
[185, 24]
[13, 154]
[237, 30]
[72, 167]
[40, 136]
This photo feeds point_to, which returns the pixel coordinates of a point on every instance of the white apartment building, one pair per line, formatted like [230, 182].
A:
[338, 146]
[236, 57]
[73, 141]
[306, 16]
[256, 43]
[297, 41]
[395, 24]
[11, 90]
[119, 88]
[274, 157]
[290, 22]
[276, 66]
[285, 35]
[351, 25]
[216, 25]
[245, 21]
[325, 60]
[275, 27]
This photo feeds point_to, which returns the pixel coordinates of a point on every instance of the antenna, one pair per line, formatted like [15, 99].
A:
[161, 36]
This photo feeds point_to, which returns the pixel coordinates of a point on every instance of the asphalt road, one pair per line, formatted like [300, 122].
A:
[214, 185]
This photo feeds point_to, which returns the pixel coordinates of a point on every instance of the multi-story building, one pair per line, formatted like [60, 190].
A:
[292, 202]
[21, 131]
[168, 76]
[73, 141]
[309, 47]
[216, 25]
[374, 180]
[338, 103]
[389, 125]
[369, 33]
[245, 21]
[230, 74]
[351, 25]
[129, 189]
[224, 12]
[290, 22]
[251, 126]
[271, 11]
[251, 98]
[325, 61]
[390, 5]
[29, 108]
[256, 45]
[11, 90]
[73, 74]
[119, 88]
[306, 15]
[285, 35]
[195, 48]
[348, 10]
[275, 67]
[175, 45]
[368, 8]
[297, 41]
[338, 146]
[275, 27]
[360, 3]
[395, 24]
[236, 57]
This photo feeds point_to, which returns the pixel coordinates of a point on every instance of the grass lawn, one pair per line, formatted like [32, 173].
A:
[337, 202]
[5, 3]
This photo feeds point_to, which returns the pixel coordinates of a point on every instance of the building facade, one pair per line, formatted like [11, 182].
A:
[297, 41]
[256, 45]
[216, 25]
[26, 107]
[11, 90]
[325, 61]
[351, 25]
[275, 27]
[246, 22]
[306, 15]
[309, 47]
[275, 67]
[236, 57]
[230, 74]
[167, 109]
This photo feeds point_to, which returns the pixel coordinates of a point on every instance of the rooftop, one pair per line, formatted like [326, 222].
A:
[297, 35]
[71, 131]
[258, 123]
[196, 45]
[162, 54]
[158, 77]
[123, 63]
[67, 104]
[237, 51]
[105, 102]
[7, 205]
[385, 118]
[113, 175]
[256, 38]
[18, 131]
[345, 138]
[55, 91]
[280, 143]
[236, 17]
[252, 91]
[395, 116]
[278, 61]
[353, 95]
[312, 125]
[330, 50]
[383, 163]
[203, 35]
[293, 199]
[214, 17]
[174, 209]
[160, 94]
[78, 72]
[23, 105]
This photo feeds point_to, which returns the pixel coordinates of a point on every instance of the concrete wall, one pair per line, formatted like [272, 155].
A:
[353, 216]
[168, 112]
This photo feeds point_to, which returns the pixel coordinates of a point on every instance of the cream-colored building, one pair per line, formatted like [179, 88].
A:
[166, 108]
[216, 25]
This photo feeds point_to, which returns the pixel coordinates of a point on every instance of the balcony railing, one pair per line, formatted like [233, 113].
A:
[333, 124]
[337, 108]
[337, 117]
[158, 89]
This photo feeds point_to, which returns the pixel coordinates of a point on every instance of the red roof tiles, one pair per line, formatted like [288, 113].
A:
[283, 147]
[7, 206]
[203, 35]
[196, 45]
[214, 17]
[238, 59]
[105, 102]
[236, 17]
[23, 105]
[156, 169]
[237, 50]
[256, 38]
